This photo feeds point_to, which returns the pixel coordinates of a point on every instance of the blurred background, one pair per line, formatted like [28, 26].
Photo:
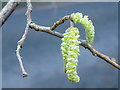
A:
[41, 52]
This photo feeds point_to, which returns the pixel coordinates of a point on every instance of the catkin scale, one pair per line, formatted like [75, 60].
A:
[88, 25]
[70, 52]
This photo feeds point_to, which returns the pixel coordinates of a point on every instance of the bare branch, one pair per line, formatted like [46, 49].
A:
[108, 59]
[7, 10]
[21, 41]
[83, 43]
[45, 29]
[62, 20]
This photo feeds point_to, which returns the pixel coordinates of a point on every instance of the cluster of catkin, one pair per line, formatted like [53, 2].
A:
[70, 44]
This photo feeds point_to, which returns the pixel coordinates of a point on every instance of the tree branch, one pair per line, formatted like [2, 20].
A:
[21, 41]
[61, 21]
[7, 10]
[83, 43]
[10, 7]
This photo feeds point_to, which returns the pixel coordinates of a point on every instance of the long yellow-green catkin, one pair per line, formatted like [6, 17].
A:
[88, 25]
[70, 52]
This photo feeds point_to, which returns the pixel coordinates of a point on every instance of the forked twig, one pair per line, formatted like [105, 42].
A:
[21, 41]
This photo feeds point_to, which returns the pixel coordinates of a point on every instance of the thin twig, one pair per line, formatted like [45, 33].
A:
[21, 41]
[108, 59]
[7, 10]
[62, 20]
[83, 43]
[45, 29]
[71, 24]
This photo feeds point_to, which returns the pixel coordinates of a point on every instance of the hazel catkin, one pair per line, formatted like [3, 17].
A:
[88, 25]
[70, 52]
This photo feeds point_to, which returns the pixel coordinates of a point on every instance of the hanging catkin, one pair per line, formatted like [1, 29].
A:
[70, 52]
[88, 25]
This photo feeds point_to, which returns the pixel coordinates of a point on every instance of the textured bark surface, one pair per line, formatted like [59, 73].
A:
[7, 10]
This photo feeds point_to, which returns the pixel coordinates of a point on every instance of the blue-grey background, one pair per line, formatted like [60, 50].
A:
[41, 52]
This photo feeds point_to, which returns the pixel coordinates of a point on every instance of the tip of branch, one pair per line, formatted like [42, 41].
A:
[24, 75]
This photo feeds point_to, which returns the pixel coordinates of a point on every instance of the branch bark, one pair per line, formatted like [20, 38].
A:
[7, 10]
[61, 21]
[21, 41]
[83, 43]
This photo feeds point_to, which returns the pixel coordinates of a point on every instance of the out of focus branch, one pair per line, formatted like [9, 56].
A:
[7, 10]
[83, 43]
